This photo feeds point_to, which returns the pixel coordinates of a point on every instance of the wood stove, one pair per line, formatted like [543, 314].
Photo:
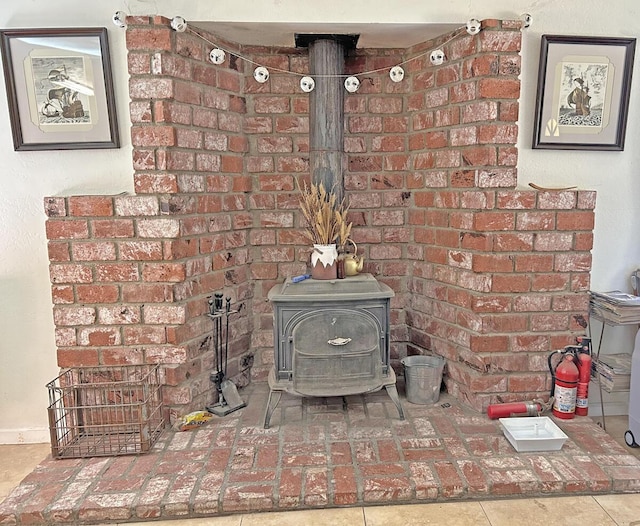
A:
[331, 338]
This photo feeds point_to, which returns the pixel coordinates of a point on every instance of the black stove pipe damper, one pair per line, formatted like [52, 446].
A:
[228, 398]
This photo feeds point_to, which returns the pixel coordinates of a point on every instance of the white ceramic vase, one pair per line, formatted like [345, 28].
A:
[324, 262]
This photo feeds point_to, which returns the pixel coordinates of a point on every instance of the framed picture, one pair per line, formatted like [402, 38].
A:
[583, 92]
[59, 88]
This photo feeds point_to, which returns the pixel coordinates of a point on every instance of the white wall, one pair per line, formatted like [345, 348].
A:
[27, 350]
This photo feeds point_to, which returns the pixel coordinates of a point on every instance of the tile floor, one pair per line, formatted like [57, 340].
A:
[20, 461]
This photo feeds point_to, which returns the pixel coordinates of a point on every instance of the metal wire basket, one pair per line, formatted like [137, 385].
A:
[105, 411]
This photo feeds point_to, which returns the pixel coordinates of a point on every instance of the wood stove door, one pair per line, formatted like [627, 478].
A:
[336, 352]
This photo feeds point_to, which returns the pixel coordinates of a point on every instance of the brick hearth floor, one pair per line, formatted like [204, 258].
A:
[317, 454]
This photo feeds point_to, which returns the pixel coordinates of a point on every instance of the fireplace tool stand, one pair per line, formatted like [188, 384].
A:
[228, 398]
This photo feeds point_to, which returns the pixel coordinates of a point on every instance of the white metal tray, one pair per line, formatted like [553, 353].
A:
[537, 433]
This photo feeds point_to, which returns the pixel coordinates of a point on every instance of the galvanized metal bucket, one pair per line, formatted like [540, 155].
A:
[423, 376]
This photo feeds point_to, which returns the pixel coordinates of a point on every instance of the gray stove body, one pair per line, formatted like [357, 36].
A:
[331, 338]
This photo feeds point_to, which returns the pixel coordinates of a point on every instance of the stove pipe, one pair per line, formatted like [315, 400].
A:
[326, 108]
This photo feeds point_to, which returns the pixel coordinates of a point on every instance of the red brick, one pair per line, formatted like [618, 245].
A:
[112, 228]
[97, 293]
[583, 241]
[67, 229]
[271, 105]
[528, 383]
[117, 272]
[498, 134]
[70, 273]
[140, 250]
[58, 251]
[490, 304]
[501, 41]
[153, 136]
[292, 125]
[506, 242]
[436, 98]
[549, 282]
[481, 66]
[78, 358]
[474, 477]
[62, 294]
[516, 200]
[116, 315]
[492, 263]
[99, 336]
[139, 63]
[462, 92]
[481, 344]
[275, 144]
[93, 251]
[148, 38]
[155, 183]
[535, 221]
[507, 156]
[473, 241]
[164, 314]
[575, 220]
[572, 262]
[290, 487]
[511, 283]
[488, 221]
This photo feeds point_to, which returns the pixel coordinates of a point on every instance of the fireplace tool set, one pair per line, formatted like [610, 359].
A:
[228, 398]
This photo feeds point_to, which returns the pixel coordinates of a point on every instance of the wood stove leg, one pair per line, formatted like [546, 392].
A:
[393, 394]
[272, 403]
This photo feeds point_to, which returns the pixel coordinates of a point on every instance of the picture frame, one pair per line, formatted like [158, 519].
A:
[582, 100]
[59, 88]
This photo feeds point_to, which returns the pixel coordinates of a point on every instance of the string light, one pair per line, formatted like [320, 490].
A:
[261, 74]
[437, 57]
[396, 73]
[179, 24]
[473, 26]
[307, 83]
[120, 19]
[217, 56]
[527, 19]
[351, 84]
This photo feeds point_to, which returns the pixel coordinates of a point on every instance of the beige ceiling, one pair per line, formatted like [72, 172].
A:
[281, 34]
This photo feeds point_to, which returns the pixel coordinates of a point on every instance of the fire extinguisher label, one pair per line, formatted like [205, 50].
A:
[565, 399]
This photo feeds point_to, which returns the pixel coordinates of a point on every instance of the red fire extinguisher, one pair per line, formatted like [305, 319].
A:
[564, 385]
[506, 410]
[582, 396]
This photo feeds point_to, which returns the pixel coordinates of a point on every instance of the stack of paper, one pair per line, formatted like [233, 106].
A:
[616, 306]
[614, 371]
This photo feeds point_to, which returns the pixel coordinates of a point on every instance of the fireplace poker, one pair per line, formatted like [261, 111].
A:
[228, 398]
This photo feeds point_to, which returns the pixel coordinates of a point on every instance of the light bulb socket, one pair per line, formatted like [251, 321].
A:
[352, 84]
[261, 74]
[437, 57]
[473, 26]
[120, 19]
[178, 24]
[217, 56]
[307, 84]
[396, 74]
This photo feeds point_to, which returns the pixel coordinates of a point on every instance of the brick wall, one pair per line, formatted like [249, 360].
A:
[490, 276]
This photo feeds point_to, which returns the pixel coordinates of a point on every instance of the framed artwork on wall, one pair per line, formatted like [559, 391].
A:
[59, 88]
[584, 85]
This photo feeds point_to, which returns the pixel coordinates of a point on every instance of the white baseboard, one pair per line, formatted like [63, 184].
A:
[25, 436]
